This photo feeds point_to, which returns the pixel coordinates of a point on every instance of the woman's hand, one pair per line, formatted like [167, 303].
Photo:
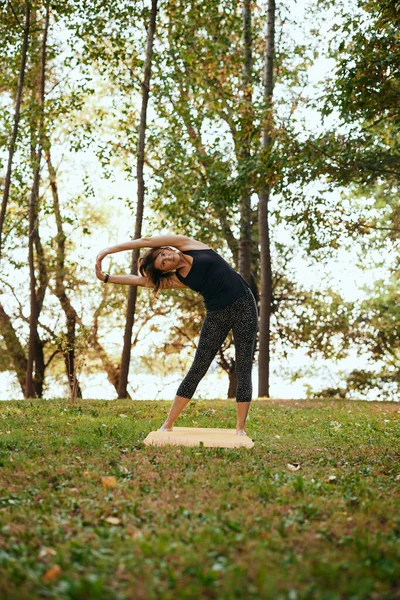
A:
[99, 259]
[99, 274]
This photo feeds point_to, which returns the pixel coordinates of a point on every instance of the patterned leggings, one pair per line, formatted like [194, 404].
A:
[240, 316]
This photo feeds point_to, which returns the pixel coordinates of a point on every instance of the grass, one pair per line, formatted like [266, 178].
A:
[199, 522]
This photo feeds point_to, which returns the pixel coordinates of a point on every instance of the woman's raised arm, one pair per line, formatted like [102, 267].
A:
[181, 242]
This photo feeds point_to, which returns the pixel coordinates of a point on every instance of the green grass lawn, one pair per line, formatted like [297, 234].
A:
[199, 522]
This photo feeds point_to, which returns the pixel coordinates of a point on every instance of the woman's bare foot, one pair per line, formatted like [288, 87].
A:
[240, 432]
[165, 427]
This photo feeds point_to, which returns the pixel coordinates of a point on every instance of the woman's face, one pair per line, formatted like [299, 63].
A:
[167, 260]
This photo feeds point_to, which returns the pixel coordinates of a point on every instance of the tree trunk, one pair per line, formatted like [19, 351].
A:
[229, 366]
[34, 347]
[7, 182]
[130, 313]
[232, 382]
[263, 222]
[244, 153]
[60, 291]
[40, 366]
[245, 239]
[71, 316]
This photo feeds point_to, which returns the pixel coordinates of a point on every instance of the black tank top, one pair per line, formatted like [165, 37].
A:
[214, 279]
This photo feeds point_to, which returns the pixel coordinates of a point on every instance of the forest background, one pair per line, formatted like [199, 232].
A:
[269, 132]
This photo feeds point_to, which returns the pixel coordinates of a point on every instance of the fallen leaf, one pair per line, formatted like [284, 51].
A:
[74, 490]
[52, 573]
[47, 552]
[331, 479]
[113, 520]
[109, 482]
[293, 466]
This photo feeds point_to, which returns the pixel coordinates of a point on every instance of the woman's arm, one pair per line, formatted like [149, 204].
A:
[136, 280]
[130, 280]
[124, 279]
[181, 242]
[178, 241]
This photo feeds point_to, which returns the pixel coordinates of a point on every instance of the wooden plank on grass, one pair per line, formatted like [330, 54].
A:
[192, 436]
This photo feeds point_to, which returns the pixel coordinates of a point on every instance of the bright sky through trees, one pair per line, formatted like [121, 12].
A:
[105, 215]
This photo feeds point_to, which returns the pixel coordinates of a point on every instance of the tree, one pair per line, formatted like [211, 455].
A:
[263, 217]
[210, 78]
[130, 312]
[360, 157]
[35, 352]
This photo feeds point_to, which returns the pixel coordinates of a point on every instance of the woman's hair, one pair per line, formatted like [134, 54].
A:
[160, 279]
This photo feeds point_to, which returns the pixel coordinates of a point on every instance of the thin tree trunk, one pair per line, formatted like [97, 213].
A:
[33, 214]
[232, 382]
[7, 182]
[60, 291]
[263, 222]
[72, 317]
[40, 294]
[247, 126]
[130, 313]
[229, 366]
[40, 366]
[245, 239]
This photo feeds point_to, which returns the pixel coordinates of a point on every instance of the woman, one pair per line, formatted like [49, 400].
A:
[229, 304]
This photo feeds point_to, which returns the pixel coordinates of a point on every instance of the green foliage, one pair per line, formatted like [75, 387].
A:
[204, 155]
[208, 147]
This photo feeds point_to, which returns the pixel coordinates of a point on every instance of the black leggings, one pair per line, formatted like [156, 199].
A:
[240, 316]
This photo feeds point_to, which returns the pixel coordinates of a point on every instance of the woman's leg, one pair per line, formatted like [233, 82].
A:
[215, 328]
[177, 407]
[244, 334]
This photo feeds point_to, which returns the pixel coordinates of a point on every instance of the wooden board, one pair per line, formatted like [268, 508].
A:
[192, 436]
